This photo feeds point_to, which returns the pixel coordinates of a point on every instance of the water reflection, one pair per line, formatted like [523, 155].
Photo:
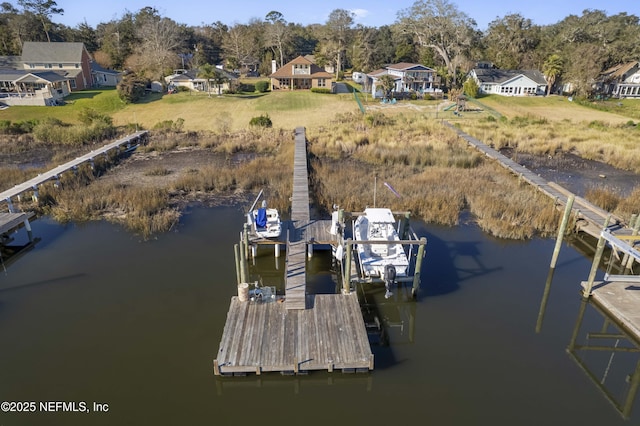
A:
[608, 355]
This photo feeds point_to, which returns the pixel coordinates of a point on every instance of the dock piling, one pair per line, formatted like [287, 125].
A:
[596, 259]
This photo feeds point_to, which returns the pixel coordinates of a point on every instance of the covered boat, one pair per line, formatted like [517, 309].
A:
[264, 222]
[387, 259]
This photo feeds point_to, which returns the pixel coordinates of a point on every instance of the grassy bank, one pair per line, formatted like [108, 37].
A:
[205, 151]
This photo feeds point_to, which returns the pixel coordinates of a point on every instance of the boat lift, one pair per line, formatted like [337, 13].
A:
[352, 271]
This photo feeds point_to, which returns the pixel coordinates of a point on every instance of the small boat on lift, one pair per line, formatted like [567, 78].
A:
[387, 259]
[264, 222]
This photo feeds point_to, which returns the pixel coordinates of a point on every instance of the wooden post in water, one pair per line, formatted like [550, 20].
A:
[627, 262]
[236, 249]
[596, 259]
[245, 240]
[346, 284]
[416, 273]
[554, 259]
[243, 266]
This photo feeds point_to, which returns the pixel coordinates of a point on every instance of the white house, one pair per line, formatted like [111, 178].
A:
[408, 78]
[509, 82]
[190, 80]
[620, 81]
[103, 76]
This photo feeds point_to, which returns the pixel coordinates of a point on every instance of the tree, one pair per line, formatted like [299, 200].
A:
[160, 40]
[510, 42]
[552, 69]
[388, 84]
[439, 25]
[338, 34]
[207, 71]
[277, 34]
[43, 9]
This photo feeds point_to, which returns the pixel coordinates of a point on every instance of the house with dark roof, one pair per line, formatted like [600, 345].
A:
[620, 81]
[509, 82]
[408, 77]
[301, 74]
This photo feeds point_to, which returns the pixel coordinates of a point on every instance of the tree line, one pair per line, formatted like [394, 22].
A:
[435, 33]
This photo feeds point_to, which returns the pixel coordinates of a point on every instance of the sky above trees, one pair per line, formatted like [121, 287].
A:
[373, 13]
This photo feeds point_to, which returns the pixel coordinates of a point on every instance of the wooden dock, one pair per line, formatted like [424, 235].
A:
[299, 332]
[54, 174]
[263, 337]
[590, 218]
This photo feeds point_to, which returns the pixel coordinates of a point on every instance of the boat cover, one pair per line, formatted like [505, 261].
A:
[261, 218]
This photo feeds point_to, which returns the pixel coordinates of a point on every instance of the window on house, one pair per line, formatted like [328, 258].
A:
[59, 65]
[72, 83]
[322, 82]
[77, 65]
[48, 66]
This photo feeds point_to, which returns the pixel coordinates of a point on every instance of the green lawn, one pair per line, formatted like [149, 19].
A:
[103, 100]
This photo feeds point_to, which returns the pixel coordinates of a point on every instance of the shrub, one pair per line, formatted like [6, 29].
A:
[248, 88]
[261, 121]
[471, 88]
[262, 86]
[132, 88]
[320, 90]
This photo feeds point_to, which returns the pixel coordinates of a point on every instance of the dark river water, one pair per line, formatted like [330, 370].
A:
[94, 315]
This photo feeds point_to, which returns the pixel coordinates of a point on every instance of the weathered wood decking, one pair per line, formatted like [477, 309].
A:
[262, 337]
[296, 276]
[300, 332]
[11, 221]
[620, 298]
[32, 184]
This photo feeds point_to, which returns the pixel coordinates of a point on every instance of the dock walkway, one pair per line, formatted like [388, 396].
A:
[300, 332]
[591, 218]
[53, 174]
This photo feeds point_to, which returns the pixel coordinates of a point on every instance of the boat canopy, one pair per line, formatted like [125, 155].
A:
[379, 215]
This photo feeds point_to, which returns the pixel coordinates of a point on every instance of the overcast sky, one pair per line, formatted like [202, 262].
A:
[371, 13]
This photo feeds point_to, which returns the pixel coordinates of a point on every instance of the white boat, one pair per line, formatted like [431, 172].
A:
[264, 222]
[384, 261]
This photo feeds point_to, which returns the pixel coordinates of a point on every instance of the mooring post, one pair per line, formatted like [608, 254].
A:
[27, 226]
[243, 266]
[236, 249]
[35, 194]
[245, 240]
[631, 393]
[416, 273]
[406, 226]
[310, 248]
[596, 259]
[276, 250]
[10, 205]
[554, 259]
[627, 262]
[346, 284]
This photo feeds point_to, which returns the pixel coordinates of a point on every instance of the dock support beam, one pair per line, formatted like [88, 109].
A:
[554, 259]
[416, 274]
[35, 194]
[10, 205]
[596, 259]
[27, 226]
[346, 284]
[627, 262]
[276, 250]
[236, 249]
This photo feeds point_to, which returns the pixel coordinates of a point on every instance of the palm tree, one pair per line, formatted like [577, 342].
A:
[552, 68]
[208, 72]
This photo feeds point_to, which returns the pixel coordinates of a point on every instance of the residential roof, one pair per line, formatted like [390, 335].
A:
[489, 75]
[286, 70]
[403, 66]
[96, 67]
[10, 62]
[619, 71]
[35, 77]
[52, 52]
